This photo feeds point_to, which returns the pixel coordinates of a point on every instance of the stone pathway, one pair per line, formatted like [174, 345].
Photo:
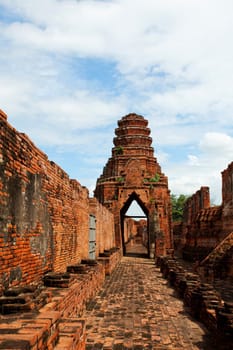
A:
[137, 310]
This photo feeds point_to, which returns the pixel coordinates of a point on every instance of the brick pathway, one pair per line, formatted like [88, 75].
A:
[136, 310]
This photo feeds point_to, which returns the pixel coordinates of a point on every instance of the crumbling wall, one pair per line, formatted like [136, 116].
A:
[135, 231]
[132, 173]
[227, 200]
[44, 216]
[198, 235]
[203, 226]
[218, 264]
[130, 230]
[105, 235]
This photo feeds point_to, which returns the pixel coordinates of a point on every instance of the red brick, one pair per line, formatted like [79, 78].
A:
[45, 214]
[133, 173]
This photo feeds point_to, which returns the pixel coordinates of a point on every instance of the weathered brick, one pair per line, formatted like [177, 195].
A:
[133, 173]
[44, 215]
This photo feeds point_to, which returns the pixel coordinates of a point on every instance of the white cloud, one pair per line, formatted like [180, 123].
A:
[214, 155]
[173, 63]
[218, 145]
[71, 121]
[193, 160]
[81, 113]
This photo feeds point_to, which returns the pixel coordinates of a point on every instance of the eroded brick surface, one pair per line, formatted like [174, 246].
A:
[56, 325]
[44, 215]
[205, 234]
[133, 173]
[105, 239]
[44, 229]
[138, 310]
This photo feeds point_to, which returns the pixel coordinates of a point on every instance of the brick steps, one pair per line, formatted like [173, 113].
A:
[58, 280]
[203, 300]
[109, 260]
[54, 323]
[82, 269]
[217, 264]
[23, 299]
[225, 318]
[30, 333]
[219, 252]
[53, 327]
[72, 334]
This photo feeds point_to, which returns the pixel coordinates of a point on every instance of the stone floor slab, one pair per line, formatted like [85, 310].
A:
[137, 310]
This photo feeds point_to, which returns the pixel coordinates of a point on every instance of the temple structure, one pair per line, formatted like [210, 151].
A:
[57, 245]
[133, 174]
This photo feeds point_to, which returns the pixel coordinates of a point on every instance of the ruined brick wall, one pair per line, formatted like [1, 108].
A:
[142, 231]
[133, 173]
[201, 227]
[105, 234]
[204, 227]
[227, 200]
[177, 236]
[218, 264]
[135, 231]
[130, 229]
[198, 201]
[230, 262]
[44, 216]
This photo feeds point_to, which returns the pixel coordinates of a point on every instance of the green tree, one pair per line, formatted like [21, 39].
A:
[178, 203]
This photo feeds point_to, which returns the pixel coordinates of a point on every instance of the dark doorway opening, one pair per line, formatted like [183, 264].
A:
[134, 227]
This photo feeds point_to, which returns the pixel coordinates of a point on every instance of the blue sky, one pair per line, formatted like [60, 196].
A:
[70, 69]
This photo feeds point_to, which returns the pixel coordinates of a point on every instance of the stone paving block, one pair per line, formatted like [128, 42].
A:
[137, 309]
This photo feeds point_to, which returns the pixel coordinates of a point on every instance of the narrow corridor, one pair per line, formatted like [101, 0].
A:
[137, 309]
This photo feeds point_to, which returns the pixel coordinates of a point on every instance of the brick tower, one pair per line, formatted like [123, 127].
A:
[133, 173]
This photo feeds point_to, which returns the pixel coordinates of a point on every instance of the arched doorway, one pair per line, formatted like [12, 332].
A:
[133, 173]
[135, 227]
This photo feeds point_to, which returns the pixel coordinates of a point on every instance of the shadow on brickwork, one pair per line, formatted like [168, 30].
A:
[137, 255]
[214, 343]
[202, 303]
[136, 251]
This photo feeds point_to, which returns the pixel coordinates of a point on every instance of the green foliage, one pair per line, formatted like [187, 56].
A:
[178, 203]
[156, 178]
[120, 179]
[119, 150]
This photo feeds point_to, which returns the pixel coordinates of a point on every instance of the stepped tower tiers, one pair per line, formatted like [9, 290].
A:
[133, 174]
